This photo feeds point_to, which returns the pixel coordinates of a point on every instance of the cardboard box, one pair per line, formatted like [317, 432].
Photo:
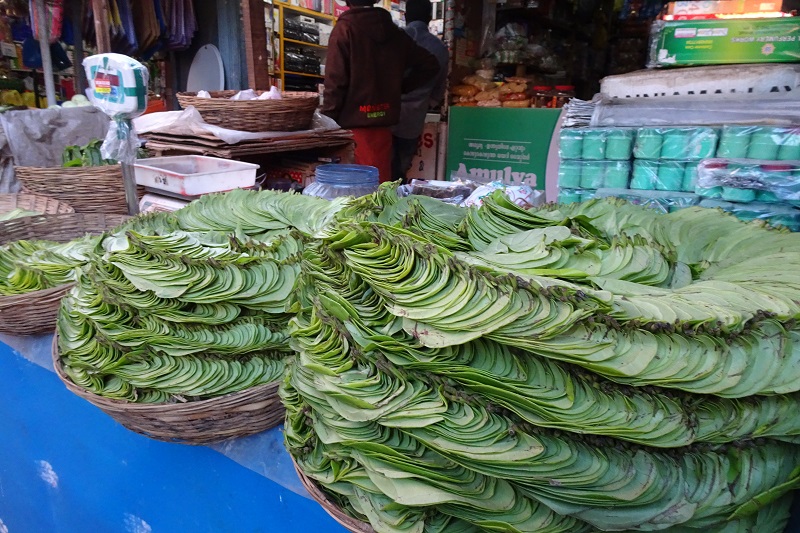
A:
[719, 42]
[710, 9]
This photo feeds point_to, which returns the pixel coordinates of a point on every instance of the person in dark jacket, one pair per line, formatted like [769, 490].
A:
[371, 63]
[416, 103]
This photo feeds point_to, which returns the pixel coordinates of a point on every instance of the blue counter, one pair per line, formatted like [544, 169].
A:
[65, 466]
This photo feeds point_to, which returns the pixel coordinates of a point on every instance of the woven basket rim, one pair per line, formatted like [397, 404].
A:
[181, 422]
[348, 522]
[109, 221]
[220, 96]
[98, 400]
[10, 299]
[52, 206]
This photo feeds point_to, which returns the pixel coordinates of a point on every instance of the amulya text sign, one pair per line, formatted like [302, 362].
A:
[500, 144]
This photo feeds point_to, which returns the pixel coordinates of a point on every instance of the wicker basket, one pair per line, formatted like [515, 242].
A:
[291, 113]
[201, 422]
[86, 189]
[349, 523]
[35, 312]
[43, 205]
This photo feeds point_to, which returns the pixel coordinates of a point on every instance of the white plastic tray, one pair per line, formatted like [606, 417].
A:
[192, 175]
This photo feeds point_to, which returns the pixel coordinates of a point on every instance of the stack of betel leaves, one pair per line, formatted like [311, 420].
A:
[27, 266]
[575, 368]
[191, 305]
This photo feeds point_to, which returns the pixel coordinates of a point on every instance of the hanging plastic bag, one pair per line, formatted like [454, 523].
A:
[118, 86]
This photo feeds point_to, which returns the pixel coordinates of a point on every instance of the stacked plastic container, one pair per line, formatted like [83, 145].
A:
[674, 167]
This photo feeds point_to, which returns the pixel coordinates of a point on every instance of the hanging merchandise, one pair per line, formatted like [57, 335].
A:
[126, 41]
[54, 19]
[183, 24]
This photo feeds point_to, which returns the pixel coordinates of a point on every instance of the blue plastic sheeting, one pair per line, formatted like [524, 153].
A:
[66, 466]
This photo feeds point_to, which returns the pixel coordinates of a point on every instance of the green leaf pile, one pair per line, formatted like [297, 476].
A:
[27, 266]
[190, 305]
[574, 368]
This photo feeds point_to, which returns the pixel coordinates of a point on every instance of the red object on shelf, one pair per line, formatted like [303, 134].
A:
[156, 105]
[67, 88]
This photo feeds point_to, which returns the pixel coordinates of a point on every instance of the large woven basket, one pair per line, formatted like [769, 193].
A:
[291, 113]
[37, 203]
[86, 189]
[35, 312]
[200, 422]
[349, 523]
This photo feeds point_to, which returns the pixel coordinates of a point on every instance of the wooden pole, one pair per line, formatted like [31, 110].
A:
[76, 16]
[44, 47]
[255, 38]
[101, 28]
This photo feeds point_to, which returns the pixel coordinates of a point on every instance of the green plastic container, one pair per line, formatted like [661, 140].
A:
[689, 177]
[676, 144]
[587, 195]
[594, 145]
[648, 144]
[619, 144]
[593, 174]
[734, 142]
[617, 175]
[571, 144]
[764, 144]
[742, 196]
[644, 175]
[670, 175]
[569, 174]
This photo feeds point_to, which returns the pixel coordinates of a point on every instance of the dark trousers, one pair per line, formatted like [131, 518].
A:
[403, 152]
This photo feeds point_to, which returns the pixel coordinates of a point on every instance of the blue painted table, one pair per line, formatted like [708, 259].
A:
[65, 466]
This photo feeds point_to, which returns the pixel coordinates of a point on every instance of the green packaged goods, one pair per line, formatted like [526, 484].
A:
[703, 143]
[717, 42]
[569, 174]
[732, 194]
[790, 148]
[571, 144]
[619, 144]
[670, 176]
[568, 196]
[690, 177]
[617, 174]
[676, 143]
[648, 144]
[767, 197]
[764, 144]
[645, 174]
[593, 174]
[734, 142]
[594, 145]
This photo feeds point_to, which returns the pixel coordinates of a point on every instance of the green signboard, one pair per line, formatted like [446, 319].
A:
[710, 42]
[500, 144]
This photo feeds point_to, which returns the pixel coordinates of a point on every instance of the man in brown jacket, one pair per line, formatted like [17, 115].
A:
[371, 63]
